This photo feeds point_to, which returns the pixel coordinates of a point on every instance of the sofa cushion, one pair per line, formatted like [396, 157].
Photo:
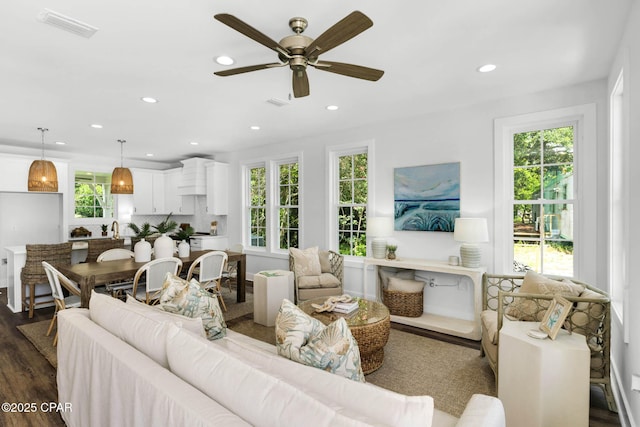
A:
[387, 272]
[192, 324]
[489, 323]
[306, 340]
[534, 283]
[587, 316]
[383, 406]
[324, 280]
[255, 394]
[405, 285]
[192, 300]
[307, 262]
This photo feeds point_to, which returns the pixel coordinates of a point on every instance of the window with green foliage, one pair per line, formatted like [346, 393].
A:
[543, 200]
[93, 197]
[258, 206]
[352, 203]
[288, 209]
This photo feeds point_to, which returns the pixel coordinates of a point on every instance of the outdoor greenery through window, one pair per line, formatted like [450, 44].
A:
[258, 206]
[93, 197]
[288, 227]
[543, 200]
[352, 204]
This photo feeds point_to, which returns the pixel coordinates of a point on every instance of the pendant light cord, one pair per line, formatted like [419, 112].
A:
[122, 141]
[43, 130]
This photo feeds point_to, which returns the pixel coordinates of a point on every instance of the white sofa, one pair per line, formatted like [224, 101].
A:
[133, 365]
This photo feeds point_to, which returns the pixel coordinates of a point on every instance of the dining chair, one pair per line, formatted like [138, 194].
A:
[117, 289]
[57, 281]
[33, 277]
[154, 273]
[209, 269]
[231, 272]
[98, 246]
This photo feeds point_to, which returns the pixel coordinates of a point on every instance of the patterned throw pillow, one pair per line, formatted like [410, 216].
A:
[306, 340]
[192, 300]
[307, 262]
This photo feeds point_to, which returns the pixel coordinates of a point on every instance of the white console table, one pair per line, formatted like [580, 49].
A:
[469, 329]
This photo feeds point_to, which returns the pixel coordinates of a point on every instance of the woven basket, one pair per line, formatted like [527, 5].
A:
[407, 304]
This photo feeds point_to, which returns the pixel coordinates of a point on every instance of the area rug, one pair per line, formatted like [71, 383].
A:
[36, 332]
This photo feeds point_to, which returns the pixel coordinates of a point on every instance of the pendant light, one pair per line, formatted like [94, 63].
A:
[42, 173]
[121, 179]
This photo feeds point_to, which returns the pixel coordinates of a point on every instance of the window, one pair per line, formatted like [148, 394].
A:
[258, 206]
[352, 198]
[93, 197]
[288, 210]
[543, 200]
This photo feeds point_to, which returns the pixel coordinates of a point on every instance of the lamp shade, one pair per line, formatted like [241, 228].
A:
[121, 181]
[471, 230]
[43, 176]
[380, 226]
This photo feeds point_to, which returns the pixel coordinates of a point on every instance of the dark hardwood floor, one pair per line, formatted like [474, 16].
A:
[26, 377]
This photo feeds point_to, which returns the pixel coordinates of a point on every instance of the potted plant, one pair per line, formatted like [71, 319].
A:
[184, 233]
[104, 229]
[391, 251]
[166, 226]
[163, 247]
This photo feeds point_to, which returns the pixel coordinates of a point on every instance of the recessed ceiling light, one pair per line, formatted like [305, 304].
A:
[193, 143]
[254, 127]
[332, 107]
[149, 154]
[96, 126]
[149, 99]
[61, 143]
[486, 68]
[225, 60]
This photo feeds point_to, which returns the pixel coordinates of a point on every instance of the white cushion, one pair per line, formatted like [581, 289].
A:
[387, 272]
[307, 262]
[192, 324]
[405, 285]
[324, 280]
[259, 397]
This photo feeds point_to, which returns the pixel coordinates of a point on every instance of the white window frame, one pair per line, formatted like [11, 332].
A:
[584, 238]
[333, 190]
[246, 220]
[275, 205]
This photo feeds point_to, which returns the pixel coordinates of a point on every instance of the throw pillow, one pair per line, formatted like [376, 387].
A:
[306, 340]
[307, 262]
[153, 311]
[529, 310]
[192, 300]
[386, 273]
[587, 316]
[325, 264]
[405, 285]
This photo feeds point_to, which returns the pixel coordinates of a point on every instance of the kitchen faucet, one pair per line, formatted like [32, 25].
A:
[115, 227]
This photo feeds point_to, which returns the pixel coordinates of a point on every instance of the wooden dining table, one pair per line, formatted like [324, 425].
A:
[91, 274]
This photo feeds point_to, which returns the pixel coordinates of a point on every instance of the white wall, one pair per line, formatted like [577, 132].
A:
[626, 357]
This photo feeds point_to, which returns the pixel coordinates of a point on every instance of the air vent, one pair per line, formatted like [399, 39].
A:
[277, 102]
[66, 23]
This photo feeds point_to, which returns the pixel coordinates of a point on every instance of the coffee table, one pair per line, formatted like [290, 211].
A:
[369, 325]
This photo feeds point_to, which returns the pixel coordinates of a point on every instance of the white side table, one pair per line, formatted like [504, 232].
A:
[269, 289]
[543, 382]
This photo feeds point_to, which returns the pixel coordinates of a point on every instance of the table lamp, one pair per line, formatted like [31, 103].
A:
[379, 227]
[470, 231]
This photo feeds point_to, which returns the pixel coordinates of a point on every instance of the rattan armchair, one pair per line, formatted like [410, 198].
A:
[33, 273]
[98, 246]
[589, 316]
[333, 264]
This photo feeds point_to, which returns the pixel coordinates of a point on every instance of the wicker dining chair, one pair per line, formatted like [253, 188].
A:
[154, 273]
[57, 281]
[231, 272]
[208, 268]
[98, 246]
[33, 273]
[117, 289]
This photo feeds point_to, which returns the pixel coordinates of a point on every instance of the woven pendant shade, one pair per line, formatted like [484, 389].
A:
[42, 173]
[43, 176]
[121, 181]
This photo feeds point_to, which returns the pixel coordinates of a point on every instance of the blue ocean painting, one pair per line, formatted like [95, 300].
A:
[427, 198]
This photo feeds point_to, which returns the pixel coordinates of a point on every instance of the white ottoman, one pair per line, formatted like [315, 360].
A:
[269, 289]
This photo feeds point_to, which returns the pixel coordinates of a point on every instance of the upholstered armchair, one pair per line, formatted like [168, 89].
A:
[316, 273]
[516, 298]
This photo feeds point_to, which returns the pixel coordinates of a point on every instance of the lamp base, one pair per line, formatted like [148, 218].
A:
[470, 255]
[379, 248]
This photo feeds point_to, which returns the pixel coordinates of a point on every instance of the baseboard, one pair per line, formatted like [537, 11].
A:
[619, 394]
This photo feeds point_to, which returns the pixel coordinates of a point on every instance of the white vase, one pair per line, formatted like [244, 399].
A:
[184, 249]
[163, 247]
[142, 251]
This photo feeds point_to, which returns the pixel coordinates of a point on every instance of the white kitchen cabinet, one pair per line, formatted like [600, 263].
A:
[148, 192]
[173, 201]
[217, 188]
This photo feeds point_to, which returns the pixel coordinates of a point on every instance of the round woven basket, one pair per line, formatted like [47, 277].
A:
[407, 304]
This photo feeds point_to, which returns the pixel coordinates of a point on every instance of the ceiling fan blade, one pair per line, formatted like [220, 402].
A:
[241, 70]
[250, 32]
[345, 29]
[300, 83]
[357, 71]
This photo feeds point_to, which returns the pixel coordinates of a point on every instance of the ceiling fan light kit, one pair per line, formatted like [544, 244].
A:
[299, 51]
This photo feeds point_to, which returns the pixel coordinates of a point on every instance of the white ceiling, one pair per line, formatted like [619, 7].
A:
[428, 49]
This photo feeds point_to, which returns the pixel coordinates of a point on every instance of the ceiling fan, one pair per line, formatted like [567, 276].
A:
[299, 51]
